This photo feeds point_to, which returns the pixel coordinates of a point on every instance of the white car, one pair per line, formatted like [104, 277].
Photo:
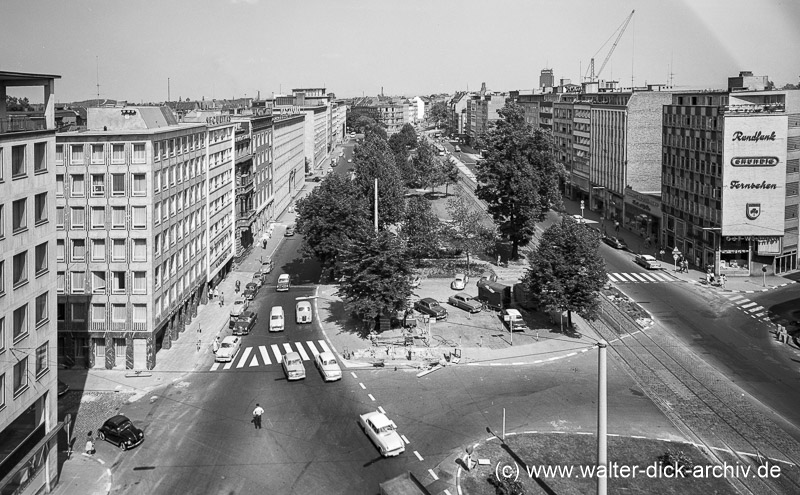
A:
[647, 261]
[276, 319]
[303, 312]
[328, 366]
[239, 306]
[382, 432]
[459, 282]
[228, 349]
[293, 366]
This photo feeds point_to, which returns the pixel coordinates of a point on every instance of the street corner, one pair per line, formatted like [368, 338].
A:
[85, 474]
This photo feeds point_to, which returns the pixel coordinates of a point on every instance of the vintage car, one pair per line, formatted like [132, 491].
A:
[120, 430]
[382, 432]
[328, 366]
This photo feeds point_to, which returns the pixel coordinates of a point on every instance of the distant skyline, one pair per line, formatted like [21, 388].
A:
[236, 48]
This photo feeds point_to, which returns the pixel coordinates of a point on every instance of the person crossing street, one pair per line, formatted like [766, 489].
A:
[257, 412]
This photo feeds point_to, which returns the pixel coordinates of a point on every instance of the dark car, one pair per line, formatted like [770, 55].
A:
[245, 323]
[252, 285]
[63, 388]
[615, 242]
[318, 179]
[289, 231]
[249, 294]
[258, 280]
[120, 431]
[431, 307]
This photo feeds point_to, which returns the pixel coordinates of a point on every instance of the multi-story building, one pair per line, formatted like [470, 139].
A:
[392, 112]
[482, 111]
[28, 337]
[457, 108]
[132, 248]
[289, 159]
[245, 200]
[261, 142]
[338, 123]
[315, 105]
[730, 177]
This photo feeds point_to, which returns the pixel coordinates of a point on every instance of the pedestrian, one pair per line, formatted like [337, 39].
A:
[90, 444]
[616, 226]
[213, 293]
[257, 412]
[221, 298]
[722, 279]
[215, 345]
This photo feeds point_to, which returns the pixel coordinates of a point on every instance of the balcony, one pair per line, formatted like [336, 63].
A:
[244, 184]
[244, 218]
[22, 124]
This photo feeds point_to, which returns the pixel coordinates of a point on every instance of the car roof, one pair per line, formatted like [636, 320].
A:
[428, 300]
[238, 301]
[291, 355]
[230, 339]
[647, 256]
[117, 420]
[379, 420]
[325, 355]
[276, 310]
[513, 312]
[283, 276]
[304, 304]
[460, 275]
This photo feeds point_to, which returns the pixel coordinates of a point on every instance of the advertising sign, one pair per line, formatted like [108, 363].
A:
[754, 175]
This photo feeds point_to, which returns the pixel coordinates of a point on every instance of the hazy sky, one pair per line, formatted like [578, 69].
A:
[233, 48]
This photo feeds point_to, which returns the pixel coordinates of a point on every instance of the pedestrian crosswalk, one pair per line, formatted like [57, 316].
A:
[640, 277]
[264, 355]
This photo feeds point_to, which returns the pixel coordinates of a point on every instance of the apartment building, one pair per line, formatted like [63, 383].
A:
[338, 124]
[392, 112]
[289, 159]
[481, 112]
[457, 109]
[731, 166]
[261, 143]
[28, 336]
[132, 248]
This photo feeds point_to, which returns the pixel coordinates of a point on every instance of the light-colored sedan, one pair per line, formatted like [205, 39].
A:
[465, 302]
[293, 366]
[228, 349]
[459, 282]
[328, 366]
[647, 261]
[303, 313]
[383, 433]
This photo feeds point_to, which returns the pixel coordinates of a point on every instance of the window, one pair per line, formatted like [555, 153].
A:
[117, 217]
[60, 154]
[98, 249]
[60, 282]
[78, 249]
[60, 185]
[139, 217]
[98, 282]
[98, 184]
[40, 265]
[18, 161]
[40, 208]
[42, 314]
[39, 158]
[21, 376]
[20, 322]
[76, 154]
[19, 222]
[61, 311]
[139, 313]
[157, 213]
[139, 153]
[77, 218]
[59, 217]
[117, 184]
[139, 283]
[117, 249]
[60, 250]
[118, 314]
[140, 249]
[2, 282]
[118, 286]
[98, 312]
[98, 217]
[139, 185]
[20, 269]
[97, 153]
[41, 360]
[78, 282]
[78, 311]
[119, 349]
[77, 185]
[3, 348]
[117, 153]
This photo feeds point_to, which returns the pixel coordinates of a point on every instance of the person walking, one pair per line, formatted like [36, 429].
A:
[616, 226]
[215, 345]
[257, 412]
[722, 279]
[214, 293]
[90, 444]
[221, 298]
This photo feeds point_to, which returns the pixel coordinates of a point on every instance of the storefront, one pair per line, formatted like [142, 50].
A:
[642, 214]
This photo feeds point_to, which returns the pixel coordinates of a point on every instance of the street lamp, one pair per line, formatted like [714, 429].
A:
[582, 221]
[602, 210]
[717, 249]
[676, 254]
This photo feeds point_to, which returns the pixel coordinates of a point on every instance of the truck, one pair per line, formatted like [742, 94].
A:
[522, 297]
[496, 295]
[404, 484]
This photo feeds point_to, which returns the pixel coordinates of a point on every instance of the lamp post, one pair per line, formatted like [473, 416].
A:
[602, 210]
[717, 248]
[582, 211]
[676, 254]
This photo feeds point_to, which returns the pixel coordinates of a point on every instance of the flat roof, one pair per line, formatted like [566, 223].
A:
[24, 76]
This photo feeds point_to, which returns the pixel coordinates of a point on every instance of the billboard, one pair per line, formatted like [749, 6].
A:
[754, 175]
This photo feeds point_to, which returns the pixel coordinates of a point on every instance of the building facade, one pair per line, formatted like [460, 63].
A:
[28, 334]
[289, 159]
[482, 111]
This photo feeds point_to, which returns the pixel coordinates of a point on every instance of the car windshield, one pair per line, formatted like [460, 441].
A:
[386, 429]
[226, 345]
[276, 317]
[293, 362]
[125, 425]
[330, 362]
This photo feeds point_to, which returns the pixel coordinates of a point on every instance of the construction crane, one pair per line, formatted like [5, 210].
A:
[591, 76]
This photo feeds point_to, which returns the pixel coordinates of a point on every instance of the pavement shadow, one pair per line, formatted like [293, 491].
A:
[339, 316]
[539, 481]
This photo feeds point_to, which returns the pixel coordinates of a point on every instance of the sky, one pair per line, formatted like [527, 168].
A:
[236, 48]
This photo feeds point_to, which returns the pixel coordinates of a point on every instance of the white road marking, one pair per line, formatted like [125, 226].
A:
[418, 456]
[759, 308]
[362, 386]
[405, 439]
[288, 347]
[228, 365]
[663, 276]
[302, 351]
[628, 277]
[264, 354]
[371, 397]
[649, 277]
[312, 347]
[277, 352]
[639, 277]
[433, 475]
[745, 306]
[245, 355]
[214, 366]
[735, 298]
[254, 362]
[324, 346]
[354, 374]
[380, 409]
[612, 277]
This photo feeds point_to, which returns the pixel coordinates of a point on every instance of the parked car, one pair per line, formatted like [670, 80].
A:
[513, 320]
[289, 231]
[303, 313]
[266, 266]
[276, 319]
[349, 160]
[120, 430]
[283, 283]
[465, 302]
[318, 179]
[328, 366]
[239, 306]
[245, 323]
[258, 279]
[615, 242]
[459, 282]
[293, 366]
[431, 307]
[647, 261]
[252, 286]
[382, 432]
[249, 294]
[228, 349]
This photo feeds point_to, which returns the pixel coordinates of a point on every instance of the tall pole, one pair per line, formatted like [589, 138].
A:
[376, 205]
[602, 423]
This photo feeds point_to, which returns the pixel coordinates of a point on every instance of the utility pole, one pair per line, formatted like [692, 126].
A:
[376, 205]
[602, 423]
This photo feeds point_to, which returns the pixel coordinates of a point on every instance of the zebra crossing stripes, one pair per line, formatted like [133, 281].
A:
[639, 277]
[262, 355]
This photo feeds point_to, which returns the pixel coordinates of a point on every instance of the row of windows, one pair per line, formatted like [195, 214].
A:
[98, 251]
[99, 153]
[20, 158]
[77, 312]
[168, 238]
[19, 321]
[20, 267]
[174, 204]
[170, 268]
[177, 146]
[99, 185]
[19, 214]
[20, 372]
[98, 282]
[120, 217]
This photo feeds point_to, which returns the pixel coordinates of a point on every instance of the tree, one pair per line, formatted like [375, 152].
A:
[330, 217]
[14, 104]
[421, 229]
[439, 113]
[449, 173]
[519, 177]
[466, 230]
[427, 166]
[408, 135]
[376, 272]
[566, 272]
[374, 159]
